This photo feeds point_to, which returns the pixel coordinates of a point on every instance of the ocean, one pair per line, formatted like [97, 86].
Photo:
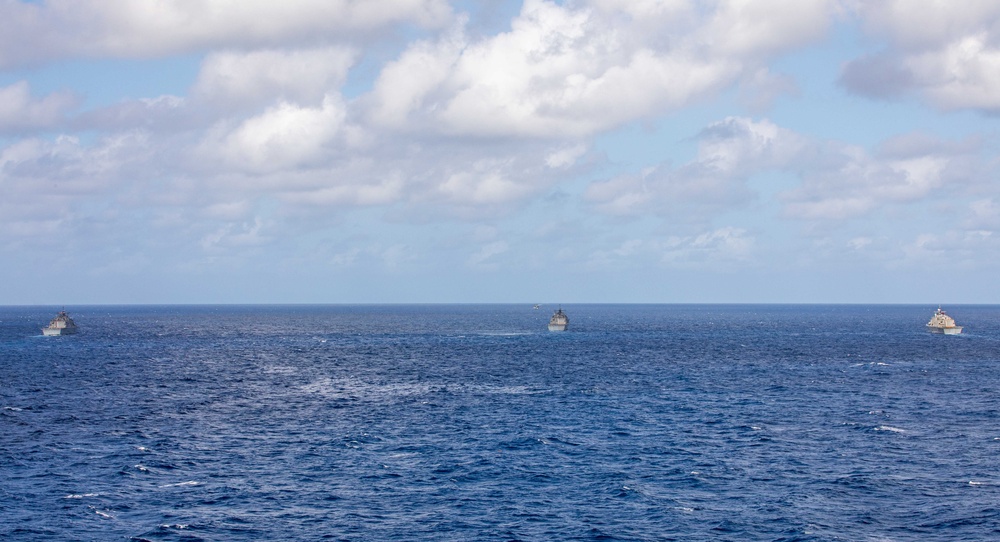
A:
[473, 422]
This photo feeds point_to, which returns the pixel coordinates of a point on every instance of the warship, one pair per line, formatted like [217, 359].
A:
[62, 324]
[942, 323]
[559, 321]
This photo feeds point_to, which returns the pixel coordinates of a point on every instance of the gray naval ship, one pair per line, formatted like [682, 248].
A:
[942, 323]
[559, 321]
[62, 324]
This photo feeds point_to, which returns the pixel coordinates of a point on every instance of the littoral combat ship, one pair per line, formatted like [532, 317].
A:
[62, 324]
[942, 323]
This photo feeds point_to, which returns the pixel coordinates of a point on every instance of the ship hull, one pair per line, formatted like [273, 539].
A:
[557, 327]
[58, 331]
[946, 330]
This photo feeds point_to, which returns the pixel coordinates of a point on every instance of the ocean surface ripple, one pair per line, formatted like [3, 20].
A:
[467, 422]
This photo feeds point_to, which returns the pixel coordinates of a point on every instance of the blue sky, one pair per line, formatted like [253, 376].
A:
[350, 151]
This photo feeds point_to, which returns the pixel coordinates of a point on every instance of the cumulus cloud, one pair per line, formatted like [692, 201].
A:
[22, 112]
[579, 68]
[246, 79]
[835, 181]
[474, 185]
[282, 137]
[851, 181]
[66, 167]
[51, 188]
[32, 32]
[465, 125]
[948, 53]
[728, 153]
[766, 27]
[265, 115]
[163, 115]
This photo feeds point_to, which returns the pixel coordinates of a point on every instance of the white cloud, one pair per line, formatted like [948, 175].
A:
[356, 185]
[724, 243]
[742, 146]
[65, 187]
[728, 153]
[837, 181]
[305, 77]
[265, 117]
[566, 156]
[926, 24]
[285, 136]
[964, 74]
[408, 83]
[578, 69]
[245, 234]
[20, 111]
[861, 184]
[484, 183]
[848, 181]
[31, 32]
[706, 249]
[66, 167]
[744, 28]
[947, 52]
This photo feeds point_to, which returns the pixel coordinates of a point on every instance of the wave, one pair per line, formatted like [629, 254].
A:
[183, 484]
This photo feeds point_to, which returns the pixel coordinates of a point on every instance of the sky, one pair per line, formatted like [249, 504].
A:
[434, 151]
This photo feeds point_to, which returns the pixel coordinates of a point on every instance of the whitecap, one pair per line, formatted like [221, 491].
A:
[180, 484]
[80, 496]
[100, 513]
[890, 429]
[975, 483]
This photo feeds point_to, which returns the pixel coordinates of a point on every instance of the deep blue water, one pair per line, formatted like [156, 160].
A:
[456, 422]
